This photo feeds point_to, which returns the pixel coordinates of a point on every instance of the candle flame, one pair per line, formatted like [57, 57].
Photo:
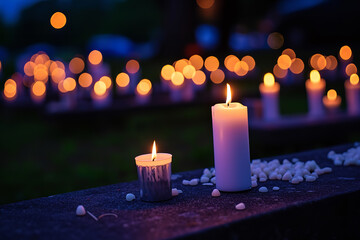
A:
[331, 95]
[354, 79]
[153, 155]
[315, 76]
[269, 80]
[228, 95]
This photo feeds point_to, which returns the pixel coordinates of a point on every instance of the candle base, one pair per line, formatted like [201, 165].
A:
[155, 182]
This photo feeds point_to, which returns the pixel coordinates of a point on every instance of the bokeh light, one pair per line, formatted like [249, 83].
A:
[205, 4]
[57, 75]
[179, 65]
[217, 76]
[122, 79]
[99, 88]
[167, 71]
[318, 61]
[69, 84]
[354, 79]
[132, 66]
[76, 65]
[85, 80]
[95, 57]
[38, 88]
[107, 81]
[230, 62]
[200, 77]
[290, 53]
[284, 62]
[241, 68]
[331, 62]
[345, 52]
[41, 73]
[29, 68]
[331, 94]
[10, 89]
[189, 71]
[211, 63]
[269, 79]
[279, 72]
[275, 40]
[144, 87]
[197, 61]
[250, 61]
[297, 66]
[58, 20]
[350, 69]
[177, 78]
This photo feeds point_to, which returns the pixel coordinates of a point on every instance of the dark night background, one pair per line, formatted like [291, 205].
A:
[45, 154]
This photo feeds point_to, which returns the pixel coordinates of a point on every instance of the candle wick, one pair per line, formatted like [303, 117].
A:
[228, 104]
[153, 159]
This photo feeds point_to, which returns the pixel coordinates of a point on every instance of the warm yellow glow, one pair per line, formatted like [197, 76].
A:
[107, 81]
[331, 95]
[284, 62]
[41, 73]
[167, 71]
[29, 68]
[144, 87]
[205, 4]
[10, 89]
[179, 65]
[38, 88]
[345, 52]
[153, 152]
[217, 76]
[250, 61]
[99, 88]
[41, 59]
[61, 86]
[269, 79]
[241, 68]
[95, 57]
[132, 66]
[69, 84]
[177, 78]
[331, 62]
[315, 76]
[228, 94]
[57, 75]
[200, 77]
[290, 53]
[230, 62]
[189, 71]
[279, 72]
[58, 20]
[275, 40]
[85, 80]
[297, 66]
[354, 79]
[56, 64]
[122, 79]
[321, 62]
[76, 65]
[350, 69]
[197, 61]
[315, 59]
[211, 63]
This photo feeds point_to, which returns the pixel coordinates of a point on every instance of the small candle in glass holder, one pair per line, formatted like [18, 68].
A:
[315, 88]
[154, 172]
[270, 97]
[352, 89]
[332, 101]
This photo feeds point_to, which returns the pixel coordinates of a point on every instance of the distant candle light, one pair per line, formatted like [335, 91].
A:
[345, 52]
[211, 63]
[197, 61]
[354, 79]
[144, 87]
[177, 78]
[230, 62]
[331, 94]
[315, 76]
[122, 79]
[85, 80]
[284, 62]
[107, 81]
[95, 57]
[69, 84]
[76, 65]
[132, 66]
[99, 88]
[200, 77]
[58, 20]
[38, 88]
[269, 79]
[217, 76]
[167, 71]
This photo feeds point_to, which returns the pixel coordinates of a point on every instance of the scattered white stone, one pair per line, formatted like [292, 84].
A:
[215, 193]
[130, 197]
[208, 184]
[204, 179]
[310, 178]
[80, 210]
[350, 157]
[179, 191]
[263, 189]
[194, 181]
[276, 188]
[254, 184]
[207, 173]
[287, 176]
[240, 206]
[175, 176]
[213, 180]
[262, 179]
[174, 192]
[294, 160]
[185, 182]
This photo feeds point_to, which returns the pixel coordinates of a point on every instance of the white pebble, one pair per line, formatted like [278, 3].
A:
[80, 210]
[194, 181]
[174, 192]
[310, 178]
[263, 189]
[207, 173]
[287, 176]
[180, 191]
[186, 182]
[204, 179]
[262, 179]
[254, 184]
[215, 193]
[327, 170]
[213, 180]
[208, 184]
[130, 197]
[240, 206]
[276, 188]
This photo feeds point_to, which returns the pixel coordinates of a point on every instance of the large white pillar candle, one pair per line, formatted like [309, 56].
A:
[270, 97]
[315, 88]
[352, 88]
[231, 145]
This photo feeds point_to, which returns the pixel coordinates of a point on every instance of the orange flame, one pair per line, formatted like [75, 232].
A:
[228, 95]
[153, 155]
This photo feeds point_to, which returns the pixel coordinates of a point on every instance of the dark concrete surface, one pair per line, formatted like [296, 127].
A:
[325, 209]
